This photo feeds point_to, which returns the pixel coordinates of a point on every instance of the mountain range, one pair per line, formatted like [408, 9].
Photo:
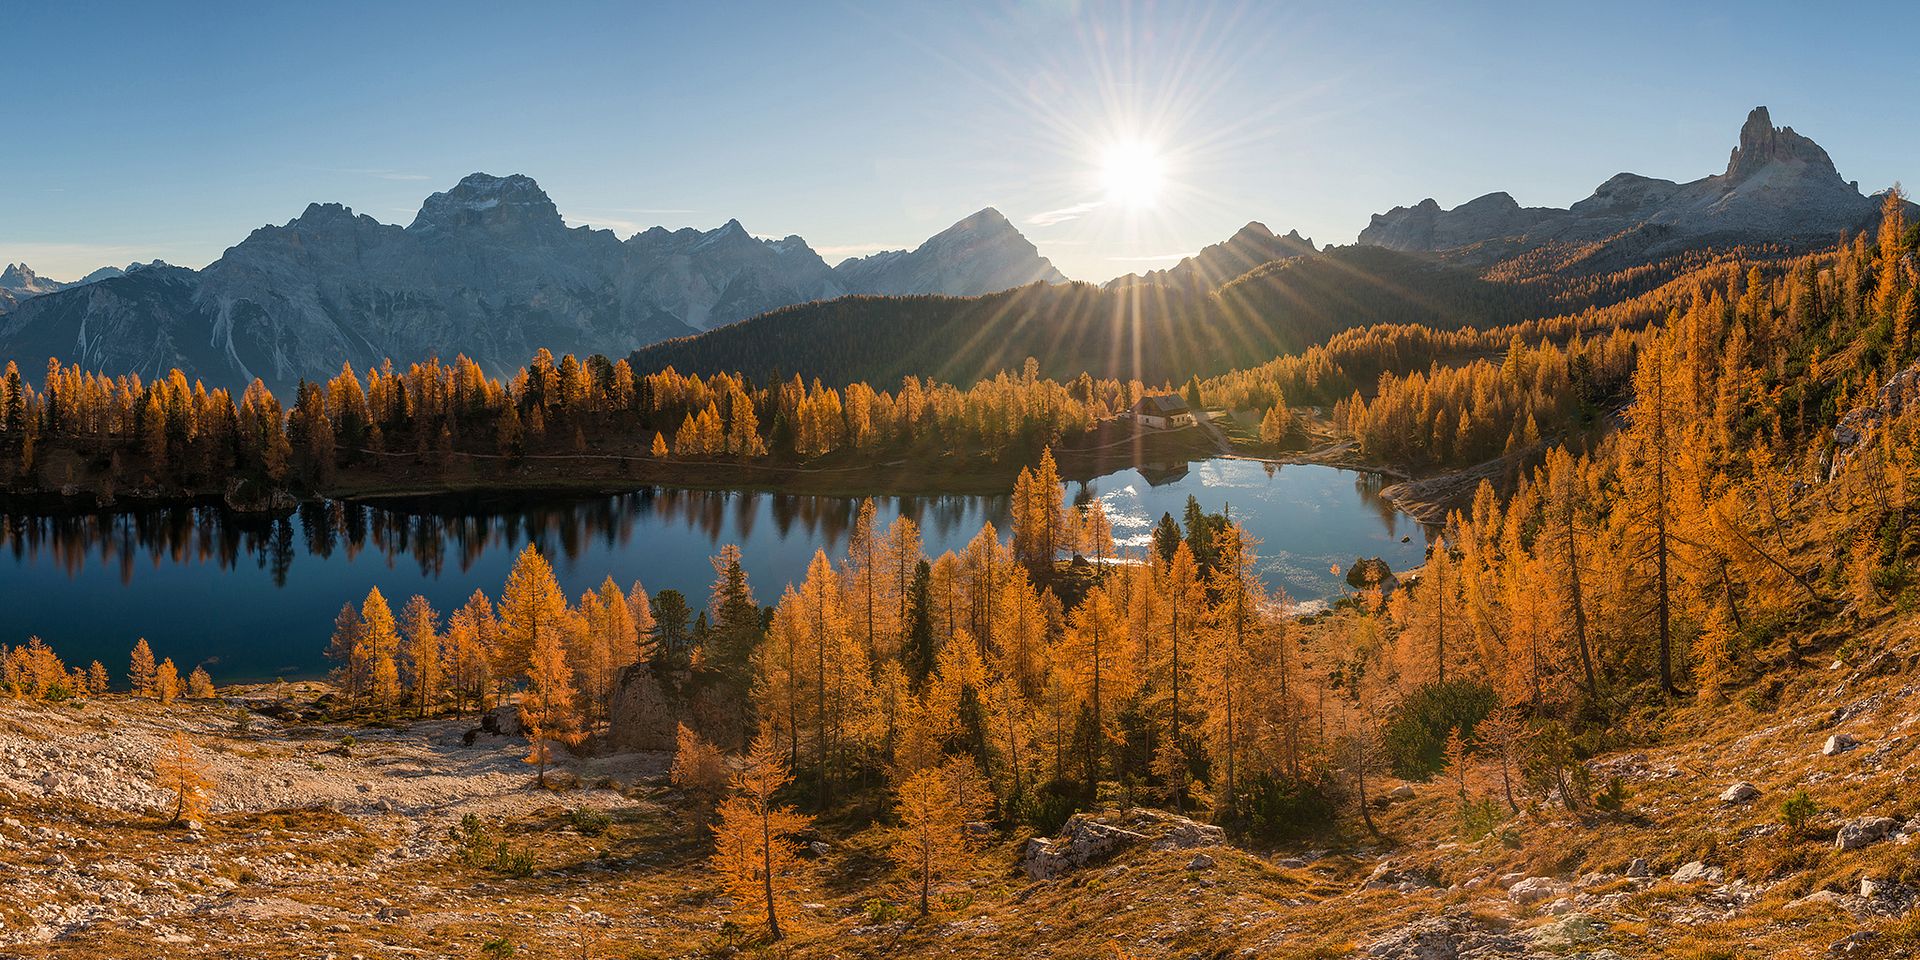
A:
[490, 269]
[18, 282]
[1779, 187]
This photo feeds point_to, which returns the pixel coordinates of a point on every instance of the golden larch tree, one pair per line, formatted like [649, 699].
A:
[531, 609]
[140, 669]
[754, 851]
[166, 681]
[930, 846]
[179, 772]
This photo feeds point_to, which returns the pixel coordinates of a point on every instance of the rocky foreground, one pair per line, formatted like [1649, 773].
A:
[432, 840]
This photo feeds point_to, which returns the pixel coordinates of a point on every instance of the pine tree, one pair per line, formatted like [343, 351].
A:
[179, 772]
[140, 671]
[754, 853]
[922, 650]
[97, 682]
[736, 615]
[1651, 447]
[199, 684]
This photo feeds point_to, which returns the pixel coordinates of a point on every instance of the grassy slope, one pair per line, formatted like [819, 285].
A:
[313, 877]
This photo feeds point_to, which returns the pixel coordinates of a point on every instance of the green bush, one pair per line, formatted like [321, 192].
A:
[589, 821]
[1417, 728]
[1797, 810]
[1481, 817]
[1280, 808]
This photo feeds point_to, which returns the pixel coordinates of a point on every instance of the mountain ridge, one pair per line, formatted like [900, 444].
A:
[488, 268]
[1778, 187]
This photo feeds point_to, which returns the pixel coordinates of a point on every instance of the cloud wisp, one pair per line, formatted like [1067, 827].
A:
[1047, 218]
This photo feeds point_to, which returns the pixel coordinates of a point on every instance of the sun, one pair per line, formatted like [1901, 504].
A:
[1132, 174]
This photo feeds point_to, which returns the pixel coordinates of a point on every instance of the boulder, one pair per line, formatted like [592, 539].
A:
[1838, 744]
[1200, 861]
[503, 721]
[1639, 868]
[1084, 840]
[1533, 890]
[1863, 832]
[1451, 937]
[1401, 792]
[1742, 792]
[1696, 872]
[1853, 943]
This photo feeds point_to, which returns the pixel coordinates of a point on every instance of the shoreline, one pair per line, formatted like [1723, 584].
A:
[387, 477]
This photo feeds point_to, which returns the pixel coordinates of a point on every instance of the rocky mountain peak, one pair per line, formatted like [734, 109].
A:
[1762, 143]
[983, 252]
[481, 201]
[1255, 230]
[17, 276]
[1779, 187]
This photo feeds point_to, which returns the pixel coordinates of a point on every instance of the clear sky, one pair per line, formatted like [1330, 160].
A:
[144, 130]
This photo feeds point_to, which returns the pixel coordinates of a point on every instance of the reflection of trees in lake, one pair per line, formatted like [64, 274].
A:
[434, 532]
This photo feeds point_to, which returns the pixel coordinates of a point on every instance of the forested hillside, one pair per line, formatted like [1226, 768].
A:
[1154, 334]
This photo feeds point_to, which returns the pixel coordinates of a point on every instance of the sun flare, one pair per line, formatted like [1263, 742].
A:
[1132, 174]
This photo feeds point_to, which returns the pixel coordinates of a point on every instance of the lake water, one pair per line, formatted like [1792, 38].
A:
[253, 598]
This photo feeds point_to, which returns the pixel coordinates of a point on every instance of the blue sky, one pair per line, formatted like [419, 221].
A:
[171, 130]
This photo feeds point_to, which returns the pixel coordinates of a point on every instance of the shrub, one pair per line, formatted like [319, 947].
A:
[589, 821]
[1614, 798]
[1481, 817]
[1279, 808]
[1417, 728]
[1797, 810]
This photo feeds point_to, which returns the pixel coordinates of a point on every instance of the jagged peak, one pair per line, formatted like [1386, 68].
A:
[1762, 143]
[485, 200]
[17, 275]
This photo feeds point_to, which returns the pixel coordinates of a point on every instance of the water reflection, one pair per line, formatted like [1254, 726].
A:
[254, 596]
[430, 533]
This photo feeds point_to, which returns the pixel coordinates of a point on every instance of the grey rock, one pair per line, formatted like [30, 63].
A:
[1200, 861]
[1864, 832]
[1741, 792]
[1857, 942]
[1451, 937]
[1639, 868]
[1533, 890]
[1838, 744]
[1696, 872]
[503, 720]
